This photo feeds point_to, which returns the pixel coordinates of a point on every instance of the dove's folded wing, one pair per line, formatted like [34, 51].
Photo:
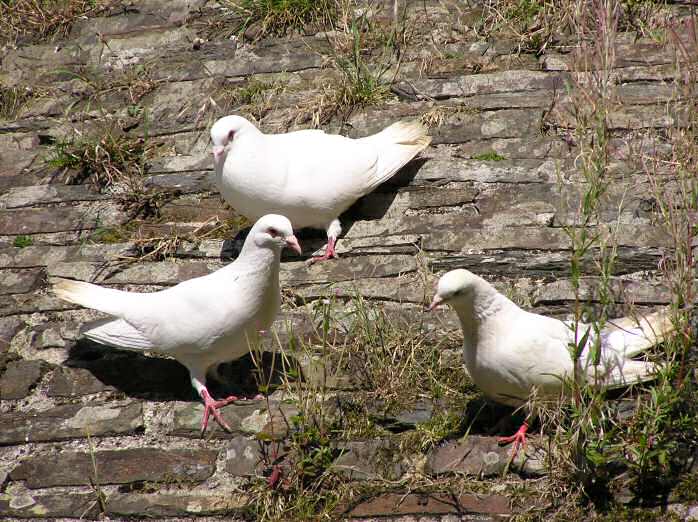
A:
[117, 333]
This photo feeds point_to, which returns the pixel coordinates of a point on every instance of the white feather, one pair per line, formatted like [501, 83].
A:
[200, 322]
[309, 176]
[509, 352]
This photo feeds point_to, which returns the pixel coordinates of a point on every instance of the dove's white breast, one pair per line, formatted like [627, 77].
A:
[518, 353]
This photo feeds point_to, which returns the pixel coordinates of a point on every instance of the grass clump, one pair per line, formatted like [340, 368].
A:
[13, 99]
[100, 158]
[538, 24]
[489, 156]
[644, 451]
[279, 17]
[25, 21]
[23, 241]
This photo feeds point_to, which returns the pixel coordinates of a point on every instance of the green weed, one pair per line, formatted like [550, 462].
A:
[23, 241]
[489, 156]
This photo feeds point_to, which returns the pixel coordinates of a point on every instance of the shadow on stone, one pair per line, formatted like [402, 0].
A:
[159, 378]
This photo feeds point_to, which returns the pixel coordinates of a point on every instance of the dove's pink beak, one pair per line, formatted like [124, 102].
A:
[218, 151]
[293, 244]
[435, 302]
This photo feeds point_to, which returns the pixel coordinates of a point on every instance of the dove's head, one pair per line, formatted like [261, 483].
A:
[274, 232]
[225, 130]
[454, 286]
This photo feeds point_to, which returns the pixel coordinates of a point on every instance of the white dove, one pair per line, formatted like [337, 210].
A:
[511, 353]
[307, 175]
[201, 322]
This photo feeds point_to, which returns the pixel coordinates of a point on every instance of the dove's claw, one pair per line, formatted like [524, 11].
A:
[330, 252]
[518, 438]
[211, 407]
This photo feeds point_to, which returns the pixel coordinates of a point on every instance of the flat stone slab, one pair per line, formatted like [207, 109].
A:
[375, 459]
[116, 467]
[140, 505]
[70, 421]
[482, 456]
[20, 377]
[73, 382]
[249, 417]
[392, 504]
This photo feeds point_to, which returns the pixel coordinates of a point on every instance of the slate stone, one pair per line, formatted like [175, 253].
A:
[36, 507]
[20, 281]
[180, 504]
[482, 456]
[248, 417]
[375, 459]
[392, 504]
[116, 467]
[71, 421]
[61, 219]
[19, 197]
[20, 377]
[243, 457]
[9, 326]
[73, 382]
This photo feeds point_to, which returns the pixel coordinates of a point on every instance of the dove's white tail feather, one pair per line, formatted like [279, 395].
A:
[106, 300]
[631, 372]
[398, 144]
[117, 333]
[629, 336]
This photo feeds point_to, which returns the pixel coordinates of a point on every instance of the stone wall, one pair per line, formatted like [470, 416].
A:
[87, 430]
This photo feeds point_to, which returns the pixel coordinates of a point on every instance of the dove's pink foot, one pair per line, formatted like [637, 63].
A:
[518, 438]
[211, 407]
[329, 252]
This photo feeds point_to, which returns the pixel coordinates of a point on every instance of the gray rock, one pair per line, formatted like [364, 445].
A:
[20, 377]
[375, 459]
[482, 456]
[71, 421]
[116, 467]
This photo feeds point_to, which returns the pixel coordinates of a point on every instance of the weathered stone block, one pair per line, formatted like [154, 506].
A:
[178, 504]
[73, 382]
[20, 377]
[482, 456]
[243, 457]
[116, 467]
[20, 281]
[35, 507]
[376, 459]
[249, 417]
[69, 422]
[392, 504]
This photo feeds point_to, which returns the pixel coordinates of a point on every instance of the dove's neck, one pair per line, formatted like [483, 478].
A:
[255, 256]
[482, 304]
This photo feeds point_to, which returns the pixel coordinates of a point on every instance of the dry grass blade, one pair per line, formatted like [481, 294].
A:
[37, 20]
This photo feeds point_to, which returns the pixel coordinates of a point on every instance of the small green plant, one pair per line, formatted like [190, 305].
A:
[363, 84]
[23, 241]
[102, 158]
[489, 156]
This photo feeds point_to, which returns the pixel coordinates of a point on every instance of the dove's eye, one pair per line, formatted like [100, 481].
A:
[273, 232]
[231, 135]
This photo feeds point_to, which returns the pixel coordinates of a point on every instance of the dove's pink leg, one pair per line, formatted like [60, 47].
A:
[329, 251]
[518, 438]
[211, 407]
